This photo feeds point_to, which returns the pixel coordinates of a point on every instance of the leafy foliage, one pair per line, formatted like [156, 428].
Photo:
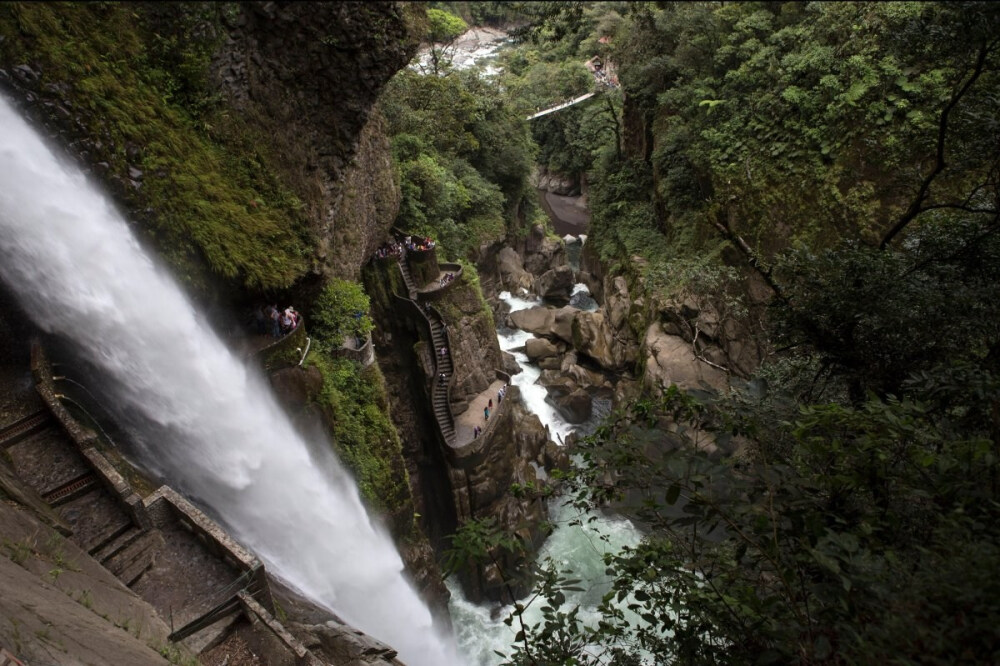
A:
[340, 311]
[463, 155]
[135, 77]
[444, 26]
[354, 398]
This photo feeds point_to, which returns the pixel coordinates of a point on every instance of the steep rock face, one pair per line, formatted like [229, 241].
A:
[239, 138]
[517, 442]
[309, 74]
[475, 352]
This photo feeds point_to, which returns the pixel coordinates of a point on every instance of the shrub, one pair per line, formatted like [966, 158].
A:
[341, 310]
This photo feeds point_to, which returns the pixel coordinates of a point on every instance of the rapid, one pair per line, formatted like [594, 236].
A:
[578, 542]
[213, 429]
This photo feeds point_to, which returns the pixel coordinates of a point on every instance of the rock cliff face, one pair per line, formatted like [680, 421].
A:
[308, 75]
[516, 450]
[239, 138]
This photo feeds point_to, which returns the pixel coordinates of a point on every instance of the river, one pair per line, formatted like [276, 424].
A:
[577, 543]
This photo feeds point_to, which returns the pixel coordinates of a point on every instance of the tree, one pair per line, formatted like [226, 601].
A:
[340, 311]
[443, 29]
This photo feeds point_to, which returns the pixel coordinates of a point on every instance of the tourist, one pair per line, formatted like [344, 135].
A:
[286, 322]
[274, 315]
[293, 316]
[491, 403]
[486, 413]
[444, 352]
[442, 378]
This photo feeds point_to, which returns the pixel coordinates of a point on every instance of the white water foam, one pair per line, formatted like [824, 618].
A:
[578, 547]
[71, 259]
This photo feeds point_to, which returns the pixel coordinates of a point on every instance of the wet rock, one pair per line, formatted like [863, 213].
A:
[546, 322]
[575, 407]
[551, 363]
[555, 285]
[510, 364]
[512, 274]
[25, 75]
[538, 348]
[135, 173]
[555, 456]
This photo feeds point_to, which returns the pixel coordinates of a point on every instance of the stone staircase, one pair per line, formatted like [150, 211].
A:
[439, 396]
[411, 286]
[46, 460]
[442, 364]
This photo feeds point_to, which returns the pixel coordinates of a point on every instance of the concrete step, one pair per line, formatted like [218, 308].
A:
[29, 425]
[134, 560]
[118, 544]
[105, 536]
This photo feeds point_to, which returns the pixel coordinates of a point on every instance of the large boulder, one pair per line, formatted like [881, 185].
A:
[575, 407]
[593, 337]
[555, 285]
[546, 322]
[671, 360]
[539, 348]
[544, 253]
[512, 274]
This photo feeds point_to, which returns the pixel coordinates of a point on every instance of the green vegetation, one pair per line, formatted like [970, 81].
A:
[341, 311]
[464, 155]
[134, 76]
[354, 400]
[444, 26]
[839, 506]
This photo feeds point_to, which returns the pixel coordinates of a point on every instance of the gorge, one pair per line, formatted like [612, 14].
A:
[701, 368]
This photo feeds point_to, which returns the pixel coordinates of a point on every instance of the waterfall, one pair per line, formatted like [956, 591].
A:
[221, 438]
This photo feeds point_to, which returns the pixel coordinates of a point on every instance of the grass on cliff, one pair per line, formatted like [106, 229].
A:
[354, 400]
[209, 195]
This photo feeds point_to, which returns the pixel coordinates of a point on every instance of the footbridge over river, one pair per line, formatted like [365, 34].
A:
[603, 81]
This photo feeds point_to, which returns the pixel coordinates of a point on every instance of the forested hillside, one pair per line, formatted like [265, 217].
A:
[839, 504]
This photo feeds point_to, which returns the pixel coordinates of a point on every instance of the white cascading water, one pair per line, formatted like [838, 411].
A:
[78, 270]
[578, 543]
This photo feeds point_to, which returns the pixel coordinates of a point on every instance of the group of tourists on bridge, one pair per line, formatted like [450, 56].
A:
[446, 279]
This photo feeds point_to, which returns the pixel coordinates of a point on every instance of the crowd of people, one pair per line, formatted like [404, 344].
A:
[418, 243]
[396, 249]
[277, 323]
[446, 279]
[393, 250]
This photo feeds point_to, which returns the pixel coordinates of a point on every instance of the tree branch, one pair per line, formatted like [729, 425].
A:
[916, 206]
[737, 240]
